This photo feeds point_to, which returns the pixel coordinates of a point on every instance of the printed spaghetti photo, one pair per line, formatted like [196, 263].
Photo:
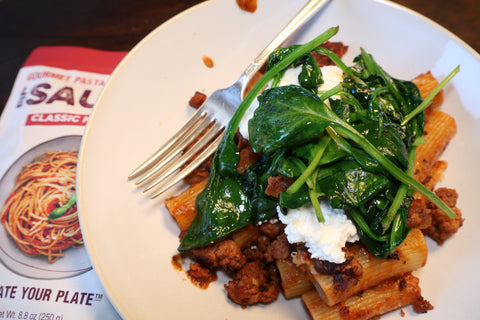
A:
[40, 215]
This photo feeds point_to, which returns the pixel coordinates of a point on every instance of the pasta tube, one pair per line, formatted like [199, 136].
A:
[387, 296]
[409, 256]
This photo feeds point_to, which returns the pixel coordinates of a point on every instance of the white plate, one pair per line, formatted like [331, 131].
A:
[131, 238]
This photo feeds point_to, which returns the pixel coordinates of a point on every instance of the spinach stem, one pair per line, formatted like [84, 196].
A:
[401, 193]
[339, 141]
[336, 59]
[351, 100]
[395, 235]
[316, 205]
[428, 100]
[376, 69]
[311, 166]
[365, 227]
[331, 92]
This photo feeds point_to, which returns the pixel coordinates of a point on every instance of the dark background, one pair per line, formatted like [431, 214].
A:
[120, 24]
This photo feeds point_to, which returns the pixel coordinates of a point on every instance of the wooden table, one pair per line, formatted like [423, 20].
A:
[120, 24]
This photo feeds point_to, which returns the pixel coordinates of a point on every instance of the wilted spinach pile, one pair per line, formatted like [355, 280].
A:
[353, 144]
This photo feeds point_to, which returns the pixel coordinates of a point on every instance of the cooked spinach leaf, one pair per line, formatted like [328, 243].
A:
[351, 185]
[287, 116]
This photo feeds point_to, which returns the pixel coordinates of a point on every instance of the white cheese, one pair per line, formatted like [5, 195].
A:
[323, 240]
[332, 76]
[290, 77]
[243, 126]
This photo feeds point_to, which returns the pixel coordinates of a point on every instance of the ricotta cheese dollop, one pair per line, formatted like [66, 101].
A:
[324, 240]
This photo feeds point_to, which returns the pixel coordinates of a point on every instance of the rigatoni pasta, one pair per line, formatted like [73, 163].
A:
[426, 82]
[387, 296]
[409, 256]
[182, 206]
[245, 236]
[295, 281]
[440, 128]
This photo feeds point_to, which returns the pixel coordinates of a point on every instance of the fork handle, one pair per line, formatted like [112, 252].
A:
[297, 22]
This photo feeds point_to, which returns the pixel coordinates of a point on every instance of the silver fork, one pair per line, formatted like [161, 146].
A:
[208, 123]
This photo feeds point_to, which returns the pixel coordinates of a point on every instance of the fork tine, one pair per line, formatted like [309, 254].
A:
[190, 167]
[188, 128]
[174, 151]
[196, 149]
